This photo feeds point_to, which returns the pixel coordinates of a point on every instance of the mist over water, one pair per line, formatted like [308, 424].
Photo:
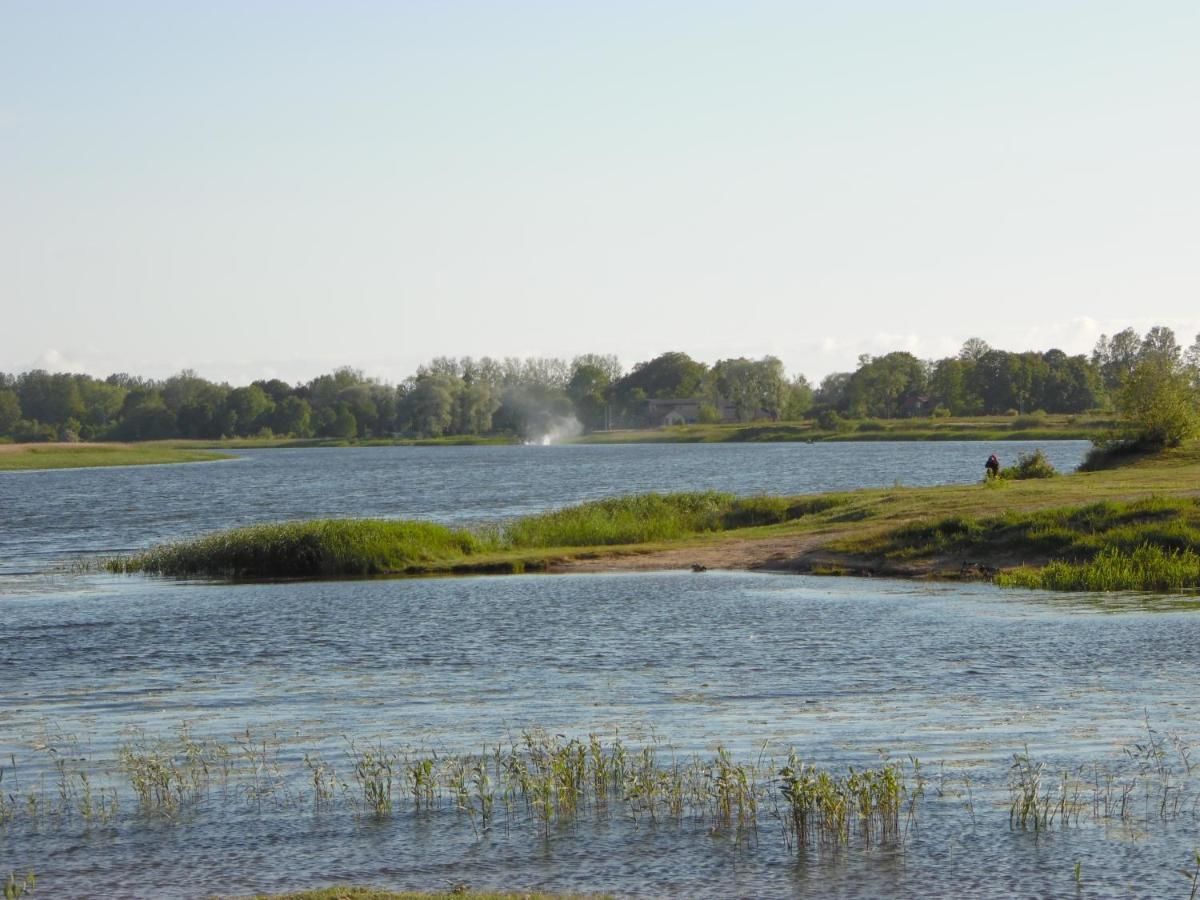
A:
[554, 430]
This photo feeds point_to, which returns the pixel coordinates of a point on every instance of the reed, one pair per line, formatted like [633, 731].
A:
[324, 547]
[1147, 568]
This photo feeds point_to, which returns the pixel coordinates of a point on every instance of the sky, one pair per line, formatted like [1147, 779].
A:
[273, 189]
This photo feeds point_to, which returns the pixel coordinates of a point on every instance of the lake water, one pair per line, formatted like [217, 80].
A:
[962, 677]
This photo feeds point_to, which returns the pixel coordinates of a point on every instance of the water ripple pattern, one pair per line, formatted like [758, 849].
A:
[52, 516]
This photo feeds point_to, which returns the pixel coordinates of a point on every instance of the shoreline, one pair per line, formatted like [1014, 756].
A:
[980, 531]
[50, 456]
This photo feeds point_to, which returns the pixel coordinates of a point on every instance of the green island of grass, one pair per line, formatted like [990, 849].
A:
[21, 457]
[1133, 527]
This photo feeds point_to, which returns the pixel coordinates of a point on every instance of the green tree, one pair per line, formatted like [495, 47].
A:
[49, 398]
[1158, 403]
[431, 404]
[588, 390]
[145, 417]
[754, 387]
[798, 399]
[10, 411]
[881, 384]
[251, 406]
[293, 416]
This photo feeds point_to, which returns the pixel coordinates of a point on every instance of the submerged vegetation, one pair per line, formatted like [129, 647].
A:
[537, 784]
[537, 781]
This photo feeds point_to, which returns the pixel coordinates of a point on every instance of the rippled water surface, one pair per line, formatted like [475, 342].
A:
[842, 671]
[54, 515]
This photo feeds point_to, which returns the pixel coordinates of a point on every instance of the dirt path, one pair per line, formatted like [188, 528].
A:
[795, 553]
[790, 553]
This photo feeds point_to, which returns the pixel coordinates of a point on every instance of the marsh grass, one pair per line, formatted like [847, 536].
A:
[324, 547]
[536, 781]
[363, 547]
[821, 808]
[15, 887]
[1145, 568]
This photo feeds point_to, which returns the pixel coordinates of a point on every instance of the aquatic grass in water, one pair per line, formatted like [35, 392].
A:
[538, 781]
[1146, 568]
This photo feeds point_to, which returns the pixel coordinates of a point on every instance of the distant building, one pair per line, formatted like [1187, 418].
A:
[660, 413]
[916, 405]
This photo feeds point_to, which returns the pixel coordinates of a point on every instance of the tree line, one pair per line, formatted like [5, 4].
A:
[530, 397]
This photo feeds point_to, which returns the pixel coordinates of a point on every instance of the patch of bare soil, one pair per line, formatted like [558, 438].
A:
[804, 553]
[775, 553]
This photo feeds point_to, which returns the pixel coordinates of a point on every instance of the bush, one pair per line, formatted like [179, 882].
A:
[871, 426]
[1035, 419]
[1030, 465]
[940, 412]
[831, 421]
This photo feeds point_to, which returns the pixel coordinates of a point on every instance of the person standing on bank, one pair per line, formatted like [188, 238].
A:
[992, 466]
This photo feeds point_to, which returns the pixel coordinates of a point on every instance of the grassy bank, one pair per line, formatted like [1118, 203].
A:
[358, 547]
[979, 428]
[15, 457]
[1109, 525]
[271, 443]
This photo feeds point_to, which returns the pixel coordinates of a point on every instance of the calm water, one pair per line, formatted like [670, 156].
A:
[960, 676]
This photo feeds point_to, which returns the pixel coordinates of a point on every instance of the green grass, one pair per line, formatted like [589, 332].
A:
[21, 457]
[944, 531]
[977, 428]
[1148, 567]
[321, 548]
[360, 547]
[645, 518]
[1076, 531]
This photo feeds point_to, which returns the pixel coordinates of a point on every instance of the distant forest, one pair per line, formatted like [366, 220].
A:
[531, 397]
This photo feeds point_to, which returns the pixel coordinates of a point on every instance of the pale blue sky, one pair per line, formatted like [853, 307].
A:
[275, 188]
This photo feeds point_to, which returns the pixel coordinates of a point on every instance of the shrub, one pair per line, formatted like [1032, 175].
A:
[1030, 465]
[1035, 419]
[830, 421]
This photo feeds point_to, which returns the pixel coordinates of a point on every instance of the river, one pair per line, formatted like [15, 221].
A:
[277, 690]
